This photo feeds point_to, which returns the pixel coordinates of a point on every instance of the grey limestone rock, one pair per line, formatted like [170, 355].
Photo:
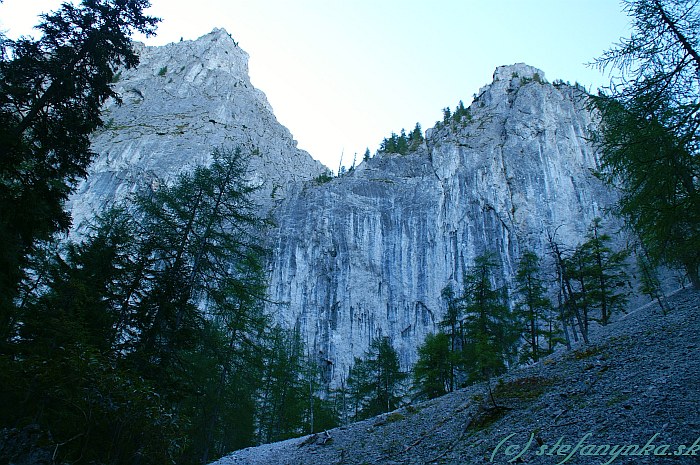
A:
[368, 254]
[182, 101]
[634, 385]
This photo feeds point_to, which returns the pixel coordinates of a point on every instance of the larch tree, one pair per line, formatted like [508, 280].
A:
[433, 372]
[490, 329]
[154, 324]
[451, 326]
[605, 272]
[533, 306]
[376, 380]
[650, 131]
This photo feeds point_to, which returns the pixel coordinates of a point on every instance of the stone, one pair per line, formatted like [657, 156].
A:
[368, 254]
[182, 101]
[439, 431]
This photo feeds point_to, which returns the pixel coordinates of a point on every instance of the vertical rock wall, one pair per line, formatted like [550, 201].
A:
[368, 254]
[182, 101]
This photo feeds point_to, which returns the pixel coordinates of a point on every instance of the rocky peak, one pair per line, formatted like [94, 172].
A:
[182, 101]
[518, 70]
[211, 51]
[507, 82]
[368, 254]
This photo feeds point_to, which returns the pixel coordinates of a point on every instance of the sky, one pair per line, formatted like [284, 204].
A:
[343, 74]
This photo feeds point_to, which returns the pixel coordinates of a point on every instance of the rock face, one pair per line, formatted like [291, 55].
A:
[366, 254]
[369, 253]
[182, 101]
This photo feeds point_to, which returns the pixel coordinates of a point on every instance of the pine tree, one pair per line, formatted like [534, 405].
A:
[153, 323]
[533, 306]
[649, 135]
[415, 138]
[376, 381]
[390, 145]
[402, 143]
[460, 113]
[650, 285]
[578, 268]
[284, 390]
[202, 237]
[490, 329]
[433, 372]
[605, 272]
[51, 93]
[446, 115]
[451, 325]
[71, 341]
[570, 303]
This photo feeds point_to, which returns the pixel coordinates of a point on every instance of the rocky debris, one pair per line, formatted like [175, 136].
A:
[182, 101]
[368, 254]
[635, 384]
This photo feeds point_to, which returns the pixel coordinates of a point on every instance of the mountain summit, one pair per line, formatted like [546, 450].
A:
[182, 101]
[368, 254]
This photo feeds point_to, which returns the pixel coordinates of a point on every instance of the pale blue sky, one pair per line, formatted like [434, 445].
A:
[342, 75]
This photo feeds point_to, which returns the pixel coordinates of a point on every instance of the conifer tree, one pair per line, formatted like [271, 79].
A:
[650, 285]
[51, 93]
[390, 144]
[460, 113]
[446, 115]
[71, 339]
[570, 311]
[415, 137]
[533, 306]
[451, 325]
[433, 372]
[284, 391]
[153, 324]
[649, 135]
[402, 143]
[376, 381]
[578, 267]
[605, 272]
[490, 329]
[188, 228]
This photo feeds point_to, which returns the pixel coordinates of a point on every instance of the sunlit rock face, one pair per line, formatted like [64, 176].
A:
[366, 254]
[182, 101]
[369, 253]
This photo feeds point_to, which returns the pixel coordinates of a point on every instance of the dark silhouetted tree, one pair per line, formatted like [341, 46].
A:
[51, 93]
[143, 341]
[376, 381]
[649, 135]
[490, 330]
[433, 372]
[532, 306]
[604, 272]
[451, 325]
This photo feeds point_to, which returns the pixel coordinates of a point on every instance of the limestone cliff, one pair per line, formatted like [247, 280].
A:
[182, 101]
[368, 254]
